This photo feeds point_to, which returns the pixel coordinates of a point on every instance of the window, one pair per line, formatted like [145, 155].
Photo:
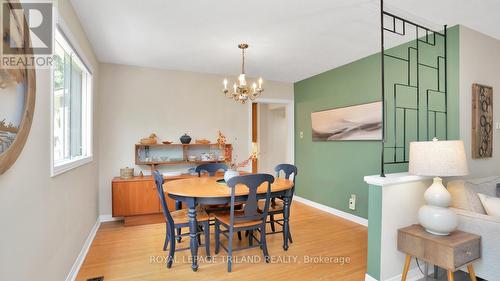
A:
[71, 108]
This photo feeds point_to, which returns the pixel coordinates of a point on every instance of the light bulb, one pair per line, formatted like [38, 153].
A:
[243, 81]
[225, 84]
[260, 82]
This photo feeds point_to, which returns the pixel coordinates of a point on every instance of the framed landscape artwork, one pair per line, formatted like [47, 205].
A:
[17, 98]
[482, 121]
[357, 122]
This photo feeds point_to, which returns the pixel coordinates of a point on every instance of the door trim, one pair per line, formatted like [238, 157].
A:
[290, 115]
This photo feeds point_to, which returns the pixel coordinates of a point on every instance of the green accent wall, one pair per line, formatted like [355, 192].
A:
[374, 231]
[331, 171]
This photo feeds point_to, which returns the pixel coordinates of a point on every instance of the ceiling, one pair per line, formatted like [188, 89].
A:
[289, 40]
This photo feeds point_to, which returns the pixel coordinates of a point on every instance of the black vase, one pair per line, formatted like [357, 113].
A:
[185, 139]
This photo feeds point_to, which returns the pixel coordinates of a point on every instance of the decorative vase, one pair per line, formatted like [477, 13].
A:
[185, 139]
[230, 174]
[435, 216]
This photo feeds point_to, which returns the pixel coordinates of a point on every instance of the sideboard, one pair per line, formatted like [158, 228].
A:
[136, 200]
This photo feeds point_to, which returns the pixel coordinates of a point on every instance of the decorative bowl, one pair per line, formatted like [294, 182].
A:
[202, 141]
[166, 142]
[149, 141]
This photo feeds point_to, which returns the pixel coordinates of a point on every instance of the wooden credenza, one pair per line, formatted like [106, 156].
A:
[136, 200]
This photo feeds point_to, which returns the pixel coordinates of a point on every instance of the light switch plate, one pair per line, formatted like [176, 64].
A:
[301, 134]
[497, 126]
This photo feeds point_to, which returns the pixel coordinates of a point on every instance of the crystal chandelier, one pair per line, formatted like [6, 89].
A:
[241, 92]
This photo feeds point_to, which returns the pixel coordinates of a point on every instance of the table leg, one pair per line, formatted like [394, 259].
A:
[451, 275]
[406, 267]
[286, 226]
[193, 229]
[472, 273]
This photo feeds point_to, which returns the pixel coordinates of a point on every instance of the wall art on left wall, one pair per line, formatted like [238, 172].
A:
[17, 94]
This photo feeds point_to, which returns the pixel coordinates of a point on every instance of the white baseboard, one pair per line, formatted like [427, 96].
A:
[108, 218]
[83, 253]
[413, 275]
[86, 246]
[333, 211]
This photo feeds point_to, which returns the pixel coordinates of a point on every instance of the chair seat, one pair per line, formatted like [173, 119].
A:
[181, 216]
[273, 207]
[221, 207]
[225, 217]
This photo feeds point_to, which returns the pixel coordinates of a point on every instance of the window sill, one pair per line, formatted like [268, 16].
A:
[66, 166]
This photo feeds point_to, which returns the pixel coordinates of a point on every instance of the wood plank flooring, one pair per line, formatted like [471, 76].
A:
[325, 247]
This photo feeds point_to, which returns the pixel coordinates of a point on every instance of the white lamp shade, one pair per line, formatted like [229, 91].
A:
[438, 159]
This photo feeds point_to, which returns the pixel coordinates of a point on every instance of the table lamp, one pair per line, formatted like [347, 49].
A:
[438, 159]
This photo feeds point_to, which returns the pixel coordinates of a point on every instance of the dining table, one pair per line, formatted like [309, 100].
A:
[208, 190]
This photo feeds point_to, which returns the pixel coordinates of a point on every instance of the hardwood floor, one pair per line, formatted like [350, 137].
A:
[135, 253]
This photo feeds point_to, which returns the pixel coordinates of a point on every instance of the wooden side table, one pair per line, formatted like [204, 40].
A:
[449, 252]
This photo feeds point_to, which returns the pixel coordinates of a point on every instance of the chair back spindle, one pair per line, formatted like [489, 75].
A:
[252, 182]
[158, 177]
[288, 170]
[210, 168]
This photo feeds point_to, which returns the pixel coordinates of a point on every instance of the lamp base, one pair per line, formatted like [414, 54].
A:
[436, 217]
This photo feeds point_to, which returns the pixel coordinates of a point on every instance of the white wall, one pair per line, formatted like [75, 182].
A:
[402, 196]
[45, 221]
[137, 101]
[479, 63]
[272, 136]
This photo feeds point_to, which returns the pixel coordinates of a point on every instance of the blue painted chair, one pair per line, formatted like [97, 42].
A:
[211, 168]
[178, 219]
[249, 219]
[276, 206]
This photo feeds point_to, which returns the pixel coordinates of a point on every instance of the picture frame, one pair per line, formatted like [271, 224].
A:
[349, 123]
[482, 121]
[17, 99]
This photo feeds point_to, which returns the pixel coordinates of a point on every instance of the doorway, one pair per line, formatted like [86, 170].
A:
[272, 134]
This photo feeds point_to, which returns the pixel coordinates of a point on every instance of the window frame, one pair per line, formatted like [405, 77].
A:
[87, 114]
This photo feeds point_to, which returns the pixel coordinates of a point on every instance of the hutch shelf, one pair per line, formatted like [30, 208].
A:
[154, 155]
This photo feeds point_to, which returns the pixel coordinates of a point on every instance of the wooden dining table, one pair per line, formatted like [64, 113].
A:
[208, 190]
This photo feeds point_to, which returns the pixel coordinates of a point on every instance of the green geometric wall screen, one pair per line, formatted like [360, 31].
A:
[414, 87]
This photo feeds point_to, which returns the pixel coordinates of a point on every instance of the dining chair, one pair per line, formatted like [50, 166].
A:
[276, 207]
[178, 219]
[249, 219]
[211, 168]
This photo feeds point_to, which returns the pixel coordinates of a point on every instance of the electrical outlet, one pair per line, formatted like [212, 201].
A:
[352, 202]
[301, 134]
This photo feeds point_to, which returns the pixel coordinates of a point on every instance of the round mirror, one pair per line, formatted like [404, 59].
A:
[17, 101]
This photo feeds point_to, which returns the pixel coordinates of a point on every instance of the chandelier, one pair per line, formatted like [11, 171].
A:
[241, 92]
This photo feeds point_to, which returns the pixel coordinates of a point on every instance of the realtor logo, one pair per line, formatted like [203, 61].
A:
[27, 35]
[27, 28]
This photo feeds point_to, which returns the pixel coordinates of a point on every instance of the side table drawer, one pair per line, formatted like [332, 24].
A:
[411, 245]
[466, 253]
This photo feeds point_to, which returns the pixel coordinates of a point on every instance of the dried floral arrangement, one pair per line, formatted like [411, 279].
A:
[232, 165]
